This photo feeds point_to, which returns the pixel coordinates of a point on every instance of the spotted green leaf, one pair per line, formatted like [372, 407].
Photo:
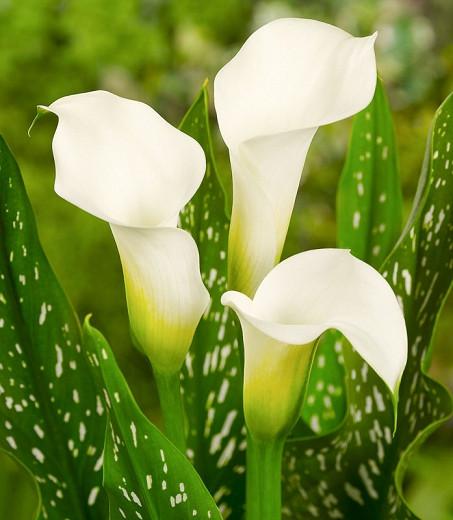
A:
[369, 212]
[421, 273]
[51, 418]
[357, 471]
[369, 200]
[212, 378]
[145, 476]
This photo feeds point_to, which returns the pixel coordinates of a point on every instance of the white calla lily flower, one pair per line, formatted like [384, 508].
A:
[165, 294]
[299, 300]
[121, 161]
[290, 77]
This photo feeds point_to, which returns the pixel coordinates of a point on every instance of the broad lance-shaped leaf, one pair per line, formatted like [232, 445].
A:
[369, 201]
[369, 212]
[421, 272]
[357, 471]
[212, 376]
[145, 476]
[51, 417]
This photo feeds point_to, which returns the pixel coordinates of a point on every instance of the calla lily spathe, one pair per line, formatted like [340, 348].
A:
[121, 161]
[298, 300]
[290, 77]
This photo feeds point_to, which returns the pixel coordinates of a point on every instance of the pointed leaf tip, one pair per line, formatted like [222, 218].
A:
[40, 111]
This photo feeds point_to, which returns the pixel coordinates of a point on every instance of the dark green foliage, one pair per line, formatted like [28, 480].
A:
[51, 418]
[357, 471]
[212, 378]
[145, 476]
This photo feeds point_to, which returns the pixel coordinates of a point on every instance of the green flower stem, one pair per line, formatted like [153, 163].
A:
[169, 389]
[264, 463]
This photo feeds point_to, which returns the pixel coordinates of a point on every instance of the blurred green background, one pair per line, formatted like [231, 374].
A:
[160, 51]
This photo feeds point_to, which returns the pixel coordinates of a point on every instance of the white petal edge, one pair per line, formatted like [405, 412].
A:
[314, 291]
[293, 74]
[266, 176]
[165, 293]
[119, 160]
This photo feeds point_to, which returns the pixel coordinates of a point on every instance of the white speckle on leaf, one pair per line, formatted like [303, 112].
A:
[12, 442]
[407, 281]
[39, 431]
[43, 313]
[38, 454]
[134, 433]
[59, 363]
[82, 432]
[93, 496]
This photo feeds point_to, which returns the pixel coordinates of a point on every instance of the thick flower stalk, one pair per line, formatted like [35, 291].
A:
[122, 162]
[296, 303]
[290, 77]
